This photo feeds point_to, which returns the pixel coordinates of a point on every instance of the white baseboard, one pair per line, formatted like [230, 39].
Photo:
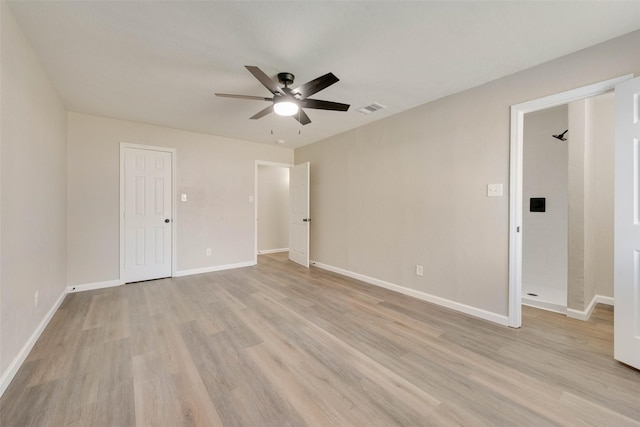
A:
[463, 308]
[214, 268]
[544, 305]
[112, 283]
[601, 299]
[586, 313]
[16, 363]
[272, 251]
[96, 285]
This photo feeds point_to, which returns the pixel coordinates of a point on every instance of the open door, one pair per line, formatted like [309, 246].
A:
[299, 218]
[627, 224]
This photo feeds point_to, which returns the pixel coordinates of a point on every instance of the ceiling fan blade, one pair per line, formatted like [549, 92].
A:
[316, 85]
[264, 79]
[262, 113]
[257, 98]
[318, 104]
[302, 117]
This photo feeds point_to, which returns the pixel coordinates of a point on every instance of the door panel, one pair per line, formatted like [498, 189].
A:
[299, 226]
[627, 224]
[147, 179]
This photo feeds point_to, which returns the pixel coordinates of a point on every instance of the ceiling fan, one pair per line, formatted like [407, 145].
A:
[287, 101]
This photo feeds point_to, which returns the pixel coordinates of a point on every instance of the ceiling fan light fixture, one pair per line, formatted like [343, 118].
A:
[285, 107]
[289, 102]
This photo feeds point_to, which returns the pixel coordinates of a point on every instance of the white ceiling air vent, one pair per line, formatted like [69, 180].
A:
[371, 108]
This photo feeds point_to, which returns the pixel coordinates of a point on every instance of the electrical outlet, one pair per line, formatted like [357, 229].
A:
[208, 251]
[35, 299]
[419, 270]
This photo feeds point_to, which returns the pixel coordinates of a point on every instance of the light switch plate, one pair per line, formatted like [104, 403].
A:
[494, 190]
[183, 197]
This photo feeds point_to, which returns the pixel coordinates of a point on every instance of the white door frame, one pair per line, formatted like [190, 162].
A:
[515, 180]
[172, 151]
[255, 201]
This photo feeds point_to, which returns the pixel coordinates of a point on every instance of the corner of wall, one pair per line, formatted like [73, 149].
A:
[34, 274]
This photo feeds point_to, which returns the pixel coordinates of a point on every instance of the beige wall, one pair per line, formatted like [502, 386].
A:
[580, 148]
[33, 193]
[603, 206]
[411, 189]
[545, 170]
[591, 123]
[216, 173]
[273, 207]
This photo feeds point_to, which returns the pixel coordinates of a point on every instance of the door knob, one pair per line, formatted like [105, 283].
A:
[167, 220]
[306, 219]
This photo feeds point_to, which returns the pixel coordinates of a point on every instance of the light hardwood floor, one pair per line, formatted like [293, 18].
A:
[279, 345]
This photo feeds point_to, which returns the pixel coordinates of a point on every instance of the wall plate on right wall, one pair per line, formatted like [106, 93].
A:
[494, 190]
[537, 204]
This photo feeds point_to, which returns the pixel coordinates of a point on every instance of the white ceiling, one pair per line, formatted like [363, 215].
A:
[161, 62]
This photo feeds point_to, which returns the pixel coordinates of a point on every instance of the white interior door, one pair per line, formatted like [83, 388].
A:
[299, 225]
[627, 224]
[147, 214]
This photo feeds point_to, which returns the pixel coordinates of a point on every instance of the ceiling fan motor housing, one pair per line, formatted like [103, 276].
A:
[286, 78]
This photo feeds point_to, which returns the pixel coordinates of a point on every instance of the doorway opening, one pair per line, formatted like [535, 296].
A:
[516, 199]
[545, 216]
[568, 212]
[271, 208]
